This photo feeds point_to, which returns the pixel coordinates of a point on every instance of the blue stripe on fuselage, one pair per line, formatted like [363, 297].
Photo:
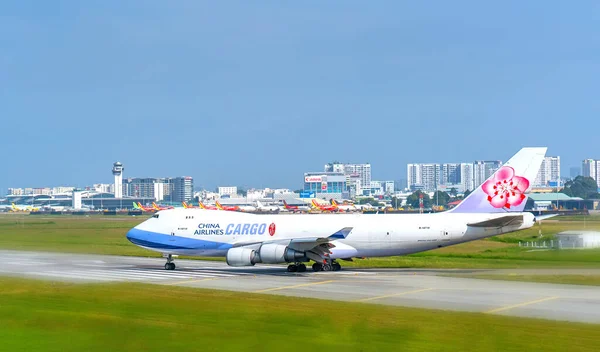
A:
[162, 241]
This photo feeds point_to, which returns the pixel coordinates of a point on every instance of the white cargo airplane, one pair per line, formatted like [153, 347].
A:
[496, 207]
[268, 208]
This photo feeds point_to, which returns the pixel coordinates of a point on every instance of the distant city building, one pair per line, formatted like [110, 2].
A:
[358, 176]
[461, 176]
[549, 172]
[62, 190]
[228, 191]
[423, 176]
[482, 170]
[591, 168]
[390, 187]
[183, 188]
[467, 176]
[104, 187]
[15, 192]
[171, 189]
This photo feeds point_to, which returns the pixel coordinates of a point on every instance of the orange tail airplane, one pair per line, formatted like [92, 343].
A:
[160, 207]
[188, 206]
[151, 209]
[207, 207]
[322, 207]
[227, 207]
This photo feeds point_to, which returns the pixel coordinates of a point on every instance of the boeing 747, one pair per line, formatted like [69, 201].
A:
[495, 208]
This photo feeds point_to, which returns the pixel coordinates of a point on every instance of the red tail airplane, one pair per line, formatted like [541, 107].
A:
[322, 207]
[227, 207]
[207, 207]
[295, 208]
[160, 207]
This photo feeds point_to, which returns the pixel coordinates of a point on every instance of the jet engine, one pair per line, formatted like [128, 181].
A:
[241, 256]
[271, 253]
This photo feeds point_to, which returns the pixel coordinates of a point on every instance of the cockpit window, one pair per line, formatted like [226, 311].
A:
[155, 216]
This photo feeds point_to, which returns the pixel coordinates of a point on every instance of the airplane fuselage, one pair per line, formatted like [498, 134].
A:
[199, 232]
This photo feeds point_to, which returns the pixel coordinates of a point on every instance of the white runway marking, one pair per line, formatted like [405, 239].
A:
[132, 274]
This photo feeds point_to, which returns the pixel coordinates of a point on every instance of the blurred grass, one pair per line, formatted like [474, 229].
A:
[45, 316]
[571, 279]
[106, 235]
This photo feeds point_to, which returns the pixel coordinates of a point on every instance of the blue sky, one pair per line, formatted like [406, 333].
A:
[255, 93]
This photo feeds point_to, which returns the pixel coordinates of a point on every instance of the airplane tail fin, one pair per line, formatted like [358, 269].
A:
[285, 205]
[219, 205]
[155, 206]
[135, 206]
[334, 203]
[506, 189]
[201, 205]
[184, 205]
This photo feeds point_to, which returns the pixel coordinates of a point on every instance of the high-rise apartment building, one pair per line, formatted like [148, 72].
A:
[549, 172]
[482, 170]
[591, 168]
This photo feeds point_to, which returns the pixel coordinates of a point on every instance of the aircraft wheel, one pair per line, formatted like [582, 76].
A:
[172, 266]
[336, 267]
[168, 266]
[327, 267]
[292, 268]
[317, 267]
[301, 268]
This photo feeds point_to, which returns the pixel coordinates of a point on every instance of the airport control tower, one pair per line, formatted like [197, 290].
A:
[117, 170]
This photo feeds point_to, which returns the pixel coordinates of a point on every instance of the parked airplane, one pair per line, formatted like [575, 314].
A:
[343, 207]
[207, 207]
[295, 208]
[227, 207]
[139, 206]
[494, 208]
[247, 208]
[15, 207]
[266, 208]
[160, 207]
[324, 207]
[189, 206]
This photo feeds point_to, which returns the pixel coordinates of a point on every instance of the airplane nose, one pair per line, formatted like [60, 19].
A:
[134, 235]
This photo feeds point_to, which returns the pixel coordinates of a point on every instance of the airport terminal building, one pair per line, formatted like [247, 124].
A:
[326, 185]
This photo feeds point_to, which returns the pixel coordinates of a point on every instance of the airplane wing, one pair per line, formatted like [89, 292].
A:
[317, 245]
[508, 220]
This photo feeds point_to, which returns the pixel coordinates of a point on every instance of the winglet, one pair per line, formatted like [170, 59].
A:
[341, 234]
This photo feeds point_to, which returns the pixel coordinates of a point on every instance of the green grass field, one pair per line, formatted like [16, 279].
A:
[45, 316]
[106, 235]
[571, 279]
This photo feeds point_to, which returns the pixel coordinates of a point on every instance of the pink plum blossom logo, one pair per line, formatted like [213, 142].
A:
[505, 189]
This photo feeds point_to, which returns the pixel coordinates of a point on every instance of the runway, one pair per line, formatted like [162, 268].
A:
[424, 288]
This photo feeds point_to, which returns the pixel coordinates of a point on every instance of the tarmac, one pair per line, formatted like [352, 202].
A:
[423, 288]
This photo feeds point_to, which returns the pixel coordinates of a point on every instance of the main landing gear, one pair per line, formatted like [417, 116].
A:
[327, 266]
[298, 267]
[169, 265]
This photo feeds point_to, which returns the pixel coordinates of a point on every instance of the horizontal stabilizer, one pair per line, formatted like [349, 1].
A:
[341, 234]
[544, 217]
[508, 220]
